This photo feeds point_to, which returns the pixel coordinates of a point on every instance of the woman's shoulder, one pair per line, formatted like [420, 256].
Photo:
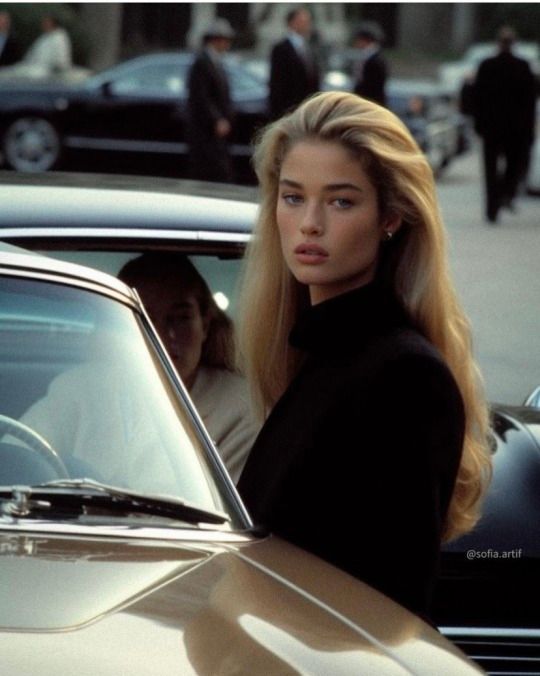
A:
[406, 342]
[410, 365]
[210, 379]
[403, 356]
[397, 344]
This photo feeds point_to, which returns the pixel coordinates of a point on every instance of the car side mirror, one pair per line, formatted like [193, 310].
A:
[533, 400]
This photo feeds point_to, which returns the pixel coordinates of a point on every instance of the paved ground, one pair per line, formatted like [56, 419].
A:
[497, 273]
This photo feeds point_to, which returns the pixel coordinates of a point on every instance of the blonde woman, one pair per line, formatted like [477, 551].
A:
[374, 447]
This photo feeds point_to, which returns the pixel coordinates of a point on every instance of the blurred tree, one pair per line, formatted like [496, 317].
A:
[102, 24]
[148, 27]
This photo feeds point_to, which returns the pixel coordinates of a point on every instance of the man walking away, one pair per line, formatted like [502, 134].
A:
[209, 108]
[371, 70]
[504, 100]
[294, 72]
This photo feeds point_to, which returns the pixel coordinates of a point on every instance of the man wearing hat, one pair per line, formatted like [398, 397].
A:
[371, 70]
[209, 107]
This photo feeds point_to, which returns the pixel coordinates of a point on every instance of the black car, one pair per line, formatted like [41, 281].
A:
[130, 117]
[438, 129]
[488, 596]
[430, 113]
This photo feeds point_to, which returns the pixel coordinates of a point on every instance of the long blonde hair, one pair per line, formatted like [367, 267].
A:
[416, 268]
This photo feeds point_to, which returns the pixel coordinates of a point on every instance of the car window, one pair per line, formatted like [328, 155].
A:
[243, 83]
[221, 274]
[158, 78]
[81, 374]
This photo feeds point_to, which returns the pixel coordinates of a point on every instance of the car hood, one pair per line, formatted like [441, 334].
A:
[108, 606]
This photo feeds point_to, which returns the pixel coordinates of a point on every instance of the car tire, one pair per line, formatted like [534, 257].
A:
[436, 159]
[31, 144]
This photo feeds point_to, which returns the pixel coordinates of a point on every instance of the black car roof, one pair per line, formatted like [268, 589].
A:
[63, 200]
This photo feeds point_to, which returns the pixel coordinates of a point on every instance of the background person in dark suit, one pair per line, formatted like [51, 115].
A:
[209, 108]
[10, 52]
[371, 69]
[294, 72]
[504, 100]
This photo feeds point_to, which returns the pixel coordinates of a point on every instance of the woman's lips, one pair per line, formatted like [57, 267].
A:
[310, 254]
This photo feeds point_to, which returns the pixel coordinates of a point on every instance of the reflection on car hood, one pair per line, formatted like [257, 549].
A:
[108, 607]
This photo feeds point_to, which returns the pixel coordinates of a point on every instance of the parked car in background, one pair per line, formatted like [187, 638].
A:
[130, 117]
[486, 603]
[434, 122]
[108, 569]
[453, 74]
[430, 112]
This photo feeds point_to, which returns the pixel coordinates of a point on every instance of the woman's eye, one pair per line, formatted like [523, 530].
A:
[342, 203]
[177, 320]
[292, 198]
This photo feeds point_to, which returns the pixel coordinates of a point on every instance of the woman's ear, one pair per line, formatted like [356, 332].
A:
[391, 225]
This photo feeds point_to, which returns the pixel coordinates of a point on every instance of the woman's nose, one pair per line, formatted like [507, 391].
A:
[312, 222]
[163, 326]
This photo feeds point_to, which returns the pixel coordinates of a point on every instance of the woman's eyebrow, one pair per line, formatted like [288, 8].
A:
[342, 186]
[288, 182]
[331, 187]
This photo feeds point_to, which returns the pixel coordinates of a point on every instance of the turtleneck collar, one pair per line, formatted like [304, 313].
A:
[350, 319]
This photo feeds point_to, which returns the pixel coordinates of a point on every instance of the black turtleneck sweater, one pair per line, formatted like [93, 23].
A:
[357, 460]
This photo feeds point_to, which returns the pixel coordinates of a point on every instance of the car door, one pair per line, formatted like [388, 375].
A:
[136, 108]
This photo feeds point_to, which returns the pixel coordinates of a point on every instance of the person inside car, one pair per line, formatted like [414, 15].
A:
[199, 338]
[108, 431]
[374, 446]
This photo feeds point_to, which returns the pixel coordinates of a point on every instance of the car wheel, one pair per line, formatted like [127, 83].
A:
[31, 144]
[436, 159]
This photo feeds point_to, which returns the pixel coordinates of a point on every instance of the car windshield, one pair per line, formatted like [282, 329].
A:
[85, 394]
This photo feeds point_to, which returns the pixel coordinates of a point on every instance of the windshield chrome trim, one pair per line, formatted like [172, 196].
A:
[53, 527]
[88, 234]
[216, 458]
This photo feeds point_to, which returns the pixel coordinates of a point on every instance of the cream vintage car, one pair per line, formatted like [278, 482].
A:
[124, 547]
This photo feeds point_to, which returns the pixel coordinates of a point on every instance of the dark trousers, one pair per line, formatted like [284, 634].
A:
[505, 162]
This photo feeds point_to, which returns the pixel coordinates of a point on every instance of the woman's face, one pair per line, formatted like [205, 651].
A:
[179, 322]
[328, 219]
